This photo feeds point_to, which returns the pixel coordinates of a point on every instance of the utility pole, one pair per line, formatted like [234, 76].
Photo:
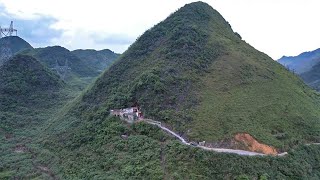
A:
[61, 70]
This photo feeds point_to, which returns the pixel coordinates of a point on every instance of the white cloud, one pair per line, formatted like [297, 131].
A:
[285, 27]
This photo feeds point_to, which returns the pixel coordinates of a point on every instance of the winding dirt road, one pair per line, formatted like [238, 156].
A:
[220, 150]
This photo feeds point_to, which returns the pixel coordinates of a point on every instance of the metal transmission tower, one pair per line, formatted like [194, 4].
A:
[5, 50]
[62, 70]
[8, 31]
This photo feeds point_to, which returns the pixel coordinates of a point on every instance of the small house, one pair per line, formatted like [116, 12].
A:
[129, 114]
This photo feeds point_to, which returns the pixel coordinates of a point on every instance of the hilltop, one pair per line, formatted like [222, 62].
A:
[98, 60]
[14, 44]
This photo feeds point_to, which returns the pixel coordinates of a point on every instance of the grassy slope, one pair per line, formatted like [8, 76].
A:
[194, 73]
[246, 91]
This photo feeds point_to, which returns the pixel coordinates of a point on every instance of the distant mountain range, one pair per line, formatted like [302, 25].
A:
[78, 68]
[32, 76]
[301, 63]
[57, 56]
[306, 65]
[312, 77]
[98, 60]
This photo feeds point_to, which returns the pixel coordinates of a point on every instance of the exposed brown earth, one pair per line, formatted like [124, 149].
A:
[253, 145]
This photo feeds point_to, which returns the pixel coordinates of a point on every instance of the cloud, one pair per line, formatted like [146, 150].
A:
[38, 30]
[83, 39]
[286, 27]
[116, 39]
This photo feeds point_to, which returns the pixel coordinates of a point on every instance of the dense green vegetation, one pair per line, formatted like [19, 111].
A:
[83, 67]
[98, 151]
[98, 60]
[27, 88]
[30, 94]
[195, 74]
[50, 56]
[190, 71]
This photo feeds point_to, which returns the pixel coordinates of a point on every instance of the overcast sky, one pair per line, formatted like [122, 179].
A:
[276, 27]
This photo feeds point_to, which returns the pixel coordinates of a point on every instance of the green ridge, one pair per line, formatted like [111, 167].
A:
[26, 89]
[98, 60]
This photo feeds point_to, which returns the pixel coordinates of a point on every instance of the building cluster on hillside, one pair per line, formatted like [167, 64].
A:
[129, 114]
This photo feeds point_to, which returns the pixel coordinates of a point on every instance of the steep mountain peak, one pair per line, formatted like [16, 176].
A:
[194, 74]
[201, 15]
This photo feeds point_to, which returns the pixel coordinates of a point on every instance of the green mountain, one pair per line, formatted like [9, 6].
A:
[73, 70]
[57, 55]
[193, 73]
[306, 65]
[27, 88]
[98, 60]
[11, 45]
